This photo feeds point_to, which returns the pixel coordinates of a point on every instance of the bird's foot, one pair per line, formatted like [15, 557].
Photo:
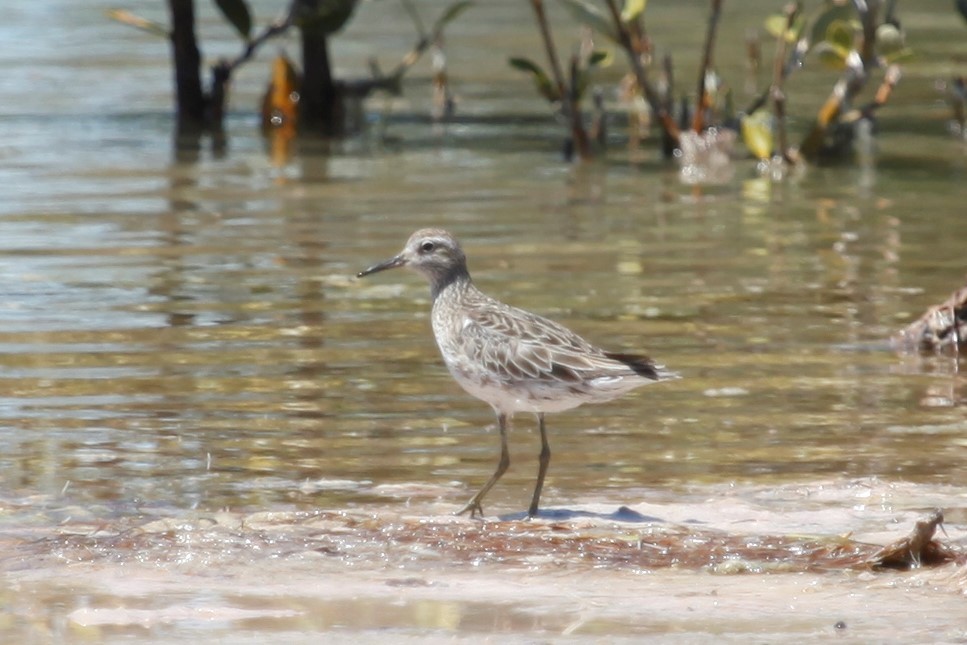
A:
[474, 507]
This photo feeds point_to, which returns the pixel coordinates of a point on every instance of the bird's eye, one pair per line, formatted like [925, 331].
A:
[426, 247]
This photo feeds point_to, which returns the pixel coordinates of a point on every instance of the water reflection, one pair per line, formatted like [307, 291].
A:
[224, 344]
[180, 333]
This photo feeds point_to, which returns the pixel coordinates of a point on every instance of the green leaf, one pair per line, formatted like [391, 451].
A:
[325, 16]
[591, 15]
[899, 55]
[840, 34]
[889, 40]
[831, 56]
[127, 18]
[237, 13]
[757, 134]
[542, 81]
[580, 75]
[633, 9]
[450, 14]
[600, 58]
[775, 26]
[843, 12]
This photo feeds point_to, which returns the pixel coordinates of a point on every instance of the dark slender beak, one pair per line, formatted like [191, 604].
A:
[392, 263]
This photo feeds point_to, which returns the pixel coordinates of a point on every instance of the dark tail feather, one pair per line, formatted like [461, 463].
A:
[642, 365]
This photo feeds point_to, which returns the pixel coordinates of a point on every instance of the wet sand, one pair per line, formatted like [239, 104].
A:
[733, 565]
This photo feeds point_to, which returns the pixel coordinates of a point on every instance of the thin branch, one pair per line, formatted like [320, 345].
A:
[753, 60]
[668, 144]
[631, 48]
[852, 82]
[415, 17]
[423, 43]
[222, 70]
[568, 101]
[777, 90]
[867, 10]
[793, 62]
[702, 104]
[883, 93]
[277, 28]
[548, 39]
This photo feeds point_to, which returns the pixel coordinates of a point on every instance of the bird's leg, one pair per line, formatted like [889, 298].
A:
[545, 459]
[474, 504]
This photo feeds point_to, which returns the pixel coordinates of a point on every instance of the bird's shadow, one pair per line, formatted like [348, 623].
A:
[622, 514]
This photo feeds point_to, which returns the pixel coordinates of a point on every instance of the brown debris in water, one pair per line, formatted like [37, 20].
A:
[941, 327]
[356, 538]
[917, 549]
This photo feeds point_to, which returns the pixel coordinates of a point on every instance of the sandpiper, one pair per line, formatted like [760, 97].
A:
[510, 358]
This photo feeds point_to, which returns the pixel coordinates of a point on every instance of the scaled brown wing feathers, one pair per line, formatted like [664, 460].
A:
[517, 344]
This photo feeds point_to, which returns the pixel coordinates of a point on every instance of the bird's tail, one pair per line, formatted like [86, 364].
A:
[643, 366]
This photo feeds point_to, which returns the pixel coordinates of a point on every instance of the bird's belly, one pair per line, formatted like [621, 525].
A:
[522, 396]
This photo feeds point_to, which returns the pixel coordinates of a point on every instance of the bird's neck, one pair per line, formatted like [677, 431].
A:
[455, 280]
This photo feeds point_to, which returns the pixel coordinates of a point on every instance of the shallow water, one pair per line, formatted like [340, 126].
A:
[181, 335]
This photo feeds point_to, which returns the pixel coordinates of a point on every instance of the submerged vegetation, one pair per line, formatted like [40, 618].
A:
[861, 42]
[942, 328]
[320, 103]
[624, 540]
